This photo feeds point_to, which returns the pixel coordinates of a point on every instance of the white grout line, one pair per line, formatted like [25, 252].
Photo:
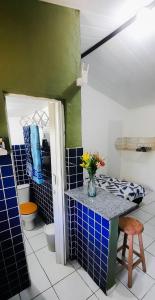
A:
[92, 295]
[56, 293]
[35, 251]
[74, 271]
[33, 235]
[45, 271]
[44, 292]
[149, 246]
[129, 290]
[149, 290]
[85, 281]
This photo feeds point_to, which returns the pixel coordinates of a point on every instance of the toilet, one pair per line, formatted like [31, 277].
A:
[28, 210]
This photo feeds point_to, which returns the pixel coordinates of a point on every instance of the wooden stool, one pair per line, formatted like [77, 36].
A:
[131, 227]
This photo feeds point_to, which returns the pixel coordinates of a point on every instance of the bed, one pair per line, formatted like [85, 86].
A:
[128, 190]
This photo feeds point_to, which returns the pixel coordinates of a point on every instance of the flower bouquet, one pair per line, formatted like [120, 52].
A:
[91, 162]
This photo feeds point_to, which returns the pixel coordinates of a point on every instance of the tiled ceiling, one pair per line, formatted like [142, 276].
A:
[124, 67]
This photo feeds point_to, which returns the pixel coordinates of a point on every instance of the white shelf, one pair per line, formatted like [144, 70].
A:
[132, 143]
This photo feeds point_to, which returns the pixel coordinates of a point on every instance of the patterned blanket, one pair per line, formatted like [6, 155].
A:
[120, 188]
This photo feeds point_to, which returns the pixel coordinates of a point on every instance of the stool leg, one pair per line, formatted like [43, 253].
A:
[124, 244]
[142, 252]
[130, 261]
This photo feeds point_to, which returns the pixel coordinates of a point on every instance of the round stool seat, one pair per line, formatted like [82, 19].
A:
[28, 208]
[130, 226]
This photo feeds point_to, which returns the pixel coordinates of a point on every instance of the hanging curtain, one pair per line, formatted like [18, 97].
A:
[27, 141]
[37, 175]
[33, 153]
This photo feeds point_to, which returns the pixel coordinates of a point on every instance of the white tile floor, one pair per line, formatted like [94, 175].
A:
[51, 281]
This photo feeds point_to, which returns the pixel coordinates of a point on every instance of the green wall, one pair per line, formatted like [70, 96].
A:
[40, 56]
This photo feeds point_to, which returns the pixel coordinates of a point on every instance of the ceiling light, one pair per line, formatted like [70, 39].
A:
[145, 22]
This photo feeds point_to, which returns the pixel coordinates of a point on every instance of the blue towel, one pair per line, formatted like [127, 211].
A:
[36, 155]
[27, 141]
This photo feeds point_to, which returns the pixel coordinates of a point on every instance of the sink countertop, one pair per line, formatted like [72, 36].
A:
[105, 203]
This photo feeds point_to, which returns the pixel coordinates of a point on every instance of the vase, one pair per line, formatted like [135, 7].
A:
[91, 186]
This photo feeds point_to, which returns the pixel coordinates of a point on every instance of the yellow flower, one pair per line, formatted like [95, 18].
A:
[82, 165]
[86, 156]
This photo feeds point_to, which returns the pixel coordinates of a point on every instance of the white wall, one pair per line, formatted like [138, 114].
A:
[135, 165]
[16, 131]
[103, 120]
[102, 123]
[46, 130]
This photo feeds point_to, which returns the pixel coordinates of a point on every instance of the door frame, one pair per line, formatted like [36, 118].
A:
[57, 140]
[57, 146]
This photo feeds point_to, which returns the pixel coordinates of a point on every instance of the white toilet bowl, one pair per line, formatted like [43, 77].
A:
[28, 221]
[28, 210]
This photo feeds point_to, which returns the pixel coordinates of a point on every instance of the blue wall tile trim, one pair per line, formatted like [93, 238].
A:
[13, 267]
[88, 235]
[73, 170]
[19, 157]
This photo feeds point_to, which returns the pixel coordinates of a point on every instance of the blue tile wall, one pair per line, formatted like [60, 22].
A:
[42, 195]
[72, 231]
[73, 170]
[88, 240]
[46, 162]
[19, 157]
[13, 267]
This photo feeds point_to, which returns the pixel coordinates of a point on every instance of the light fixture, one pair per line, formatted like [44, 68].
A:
[84, 75]
[144, 25]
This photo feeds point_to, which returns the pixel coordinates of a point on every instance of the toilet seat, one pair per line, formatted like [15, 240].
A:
[28, 208]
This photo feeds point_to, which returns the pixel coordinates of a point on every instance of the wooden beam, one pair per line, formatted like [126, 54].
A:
[114, 33]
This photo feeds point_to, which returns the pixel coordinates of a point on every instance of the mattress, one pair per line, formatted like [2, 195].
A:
[120, 188]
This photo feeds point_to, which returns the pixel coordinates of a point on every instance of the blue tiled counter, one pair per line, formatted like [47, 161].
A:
[93, 232]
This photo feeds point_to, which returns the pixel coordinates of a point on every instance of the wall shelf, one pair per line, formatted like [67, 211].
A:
[141, 144]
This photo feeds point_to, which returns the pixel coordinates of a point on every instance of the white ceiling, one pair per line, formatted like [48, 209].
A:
[124, 67]
[101, 17]
[21, 106]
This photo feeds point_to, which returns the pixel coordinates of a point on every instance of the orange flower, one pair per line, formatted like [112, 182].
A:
[98, 164]
[96, 155]
[102, 163]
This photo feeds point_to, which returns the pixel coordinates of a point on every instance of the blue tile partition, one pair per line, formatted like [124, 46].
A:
[43, 196]
[73, 170]
[19, 157]
[89, 242]
[13, 267]
[40, 194]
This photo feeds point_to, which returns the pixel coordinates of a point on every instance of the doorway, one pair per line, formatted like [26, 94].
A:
[48, 115]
